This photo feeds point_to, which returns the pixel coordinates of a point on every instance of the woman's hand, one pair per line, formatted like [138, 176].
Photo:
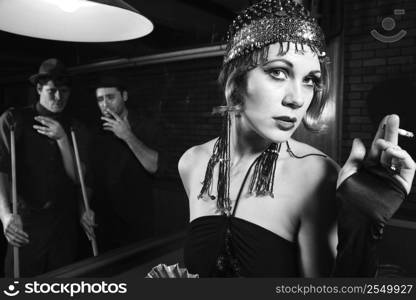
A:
[369, 192]
[385, 151]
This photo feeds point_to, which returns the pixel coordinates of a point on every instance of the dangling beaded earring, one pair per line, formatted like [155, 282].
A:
[221, 156]
[262, 180]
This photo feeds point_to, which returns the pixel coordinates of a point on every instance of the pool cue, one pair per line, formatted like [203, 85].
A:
[83, 189]
[16, 263]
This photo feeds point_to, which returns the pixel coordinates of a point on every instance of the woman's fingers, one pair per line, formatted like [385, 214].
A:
[381, 129]
[385, 151]
[387, 130]
[391, 133]
[398, 161]
[353, 162]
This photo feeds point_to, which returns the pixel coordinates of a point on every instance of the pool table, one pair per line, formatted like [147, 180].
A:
[135, 260]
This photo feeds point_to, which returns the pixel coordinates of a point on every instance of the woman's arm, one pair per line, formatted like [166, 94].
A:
[317, 234]
[368, 194]
[185, 166]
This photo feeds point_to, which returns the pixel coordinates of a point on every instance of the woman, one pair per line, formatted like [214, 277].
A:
[262, 204]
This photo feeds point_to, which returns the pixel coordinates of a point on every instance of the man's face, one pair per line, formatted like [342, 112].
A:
[53, 97]
[111, 98]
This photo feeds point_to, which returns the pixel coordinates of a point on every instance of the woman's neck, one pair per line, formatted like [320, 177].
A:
[245, 142]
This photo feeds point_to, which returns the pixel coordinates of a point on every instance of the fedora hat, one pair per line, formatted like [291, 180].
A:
[51, 67]
[104, 80]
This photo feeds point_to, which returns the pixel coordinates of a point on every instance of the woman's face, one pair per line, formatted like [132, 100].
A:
[279, 92]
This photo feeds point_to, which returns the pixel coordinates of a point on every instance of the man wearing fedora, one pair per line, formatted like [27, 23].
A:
[46, 226]
[127, 155]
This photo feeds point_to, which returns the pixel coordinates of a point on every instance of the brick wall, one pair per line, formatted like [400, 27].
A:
[378, 76]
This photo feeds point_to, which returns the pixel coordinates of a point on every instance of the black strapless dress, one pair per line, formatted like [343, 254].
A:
[221, 246]
[227, 246]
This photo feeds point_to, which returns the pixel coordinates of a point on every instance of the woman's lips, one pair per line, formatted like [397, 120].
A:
[285, 123]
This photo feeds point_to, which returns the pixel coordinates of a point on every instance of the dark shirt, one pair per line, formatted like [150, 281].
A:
[41, 178]
[123, 196]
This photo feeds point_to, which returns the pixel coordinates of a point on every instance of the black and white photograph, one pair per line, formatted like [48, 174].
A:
[189, 139]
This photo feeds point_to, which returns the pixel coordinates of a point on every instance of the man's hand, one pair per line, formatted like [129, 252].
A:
[88, 223]
[385, 151]
[51, 128]
[13, 230]
[119, 126]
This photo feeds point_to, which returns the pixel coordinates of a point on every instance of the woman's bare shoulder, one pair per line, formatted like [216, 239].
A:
[194, 156]
[313, 160]
[319, 175]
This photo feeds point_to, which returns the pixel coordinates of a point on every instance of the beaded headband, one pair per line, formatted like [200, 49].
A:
[269, 22]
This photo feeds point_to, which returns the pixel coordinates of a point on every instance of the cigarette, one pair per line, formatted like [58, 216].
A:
[406, 133]
[403, 132]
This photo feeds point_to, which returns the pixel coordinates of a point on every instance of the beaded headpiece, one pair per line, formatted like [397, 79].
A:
[269, 22]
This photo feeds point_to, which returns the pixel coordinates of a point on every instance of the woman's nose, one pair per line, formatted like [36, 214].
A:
[293, 96]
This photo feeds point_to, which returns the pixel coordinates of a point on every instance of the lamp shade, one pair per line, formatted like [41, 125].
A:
[74, 20]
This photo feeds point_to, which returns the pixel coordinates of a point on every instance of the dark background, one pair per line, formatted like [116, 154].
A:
[375, 79]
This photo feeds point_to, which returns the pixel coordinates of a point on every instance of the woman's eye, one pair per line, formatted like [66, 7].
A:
[278, 74]
[309, 82]
[312, 82]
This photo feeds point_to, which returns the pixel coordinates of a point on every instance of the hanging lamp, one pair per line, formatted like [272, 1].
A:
[74, 20]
